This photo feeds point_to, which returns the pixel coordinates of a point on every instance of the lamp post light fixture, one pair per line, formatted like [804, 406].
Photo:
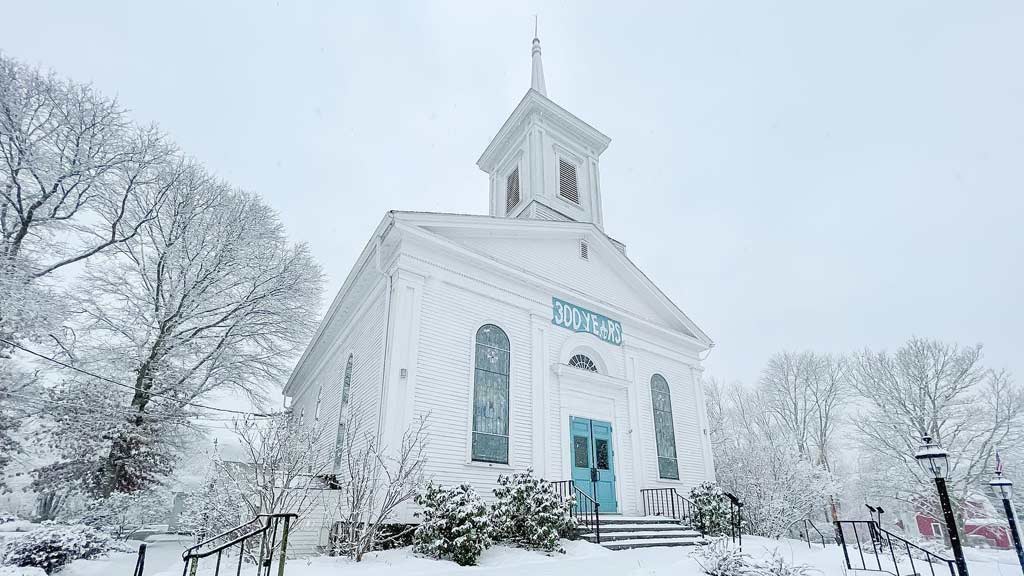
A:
[1003, 488]
[935, 461]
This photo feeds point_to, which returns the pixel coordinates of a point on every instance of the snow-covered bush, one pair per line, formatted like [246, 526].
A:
[530, 514]
[777, 565]
[124, 514]
[21, 571]
[712, 514]
[455, 524]
[718, 557]
[53, 546]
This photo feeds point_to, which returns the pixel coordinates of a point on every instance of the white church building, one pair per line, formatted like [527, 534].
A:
[527, 335]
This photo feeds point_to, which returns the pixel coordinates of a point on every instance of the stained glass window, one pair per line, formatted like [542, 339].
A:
[664, 429]
[490, 395]
[581, 451]
[339, 439]
[601, 453]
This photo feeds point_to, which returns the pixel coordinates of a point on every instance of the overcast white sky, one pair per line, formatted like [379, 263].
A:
[794, 175]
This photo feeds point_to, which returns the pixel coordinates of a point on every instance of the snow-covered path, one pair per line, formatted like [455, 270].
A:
[581, 559]
[163, 556]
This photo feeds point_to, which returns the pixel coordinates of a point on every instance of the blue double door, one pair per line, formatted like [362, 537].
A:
[593, 462]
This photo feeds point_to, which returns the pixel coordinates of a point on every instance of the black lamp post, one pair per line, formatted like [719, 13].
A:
[1003, 488]
[935, 461]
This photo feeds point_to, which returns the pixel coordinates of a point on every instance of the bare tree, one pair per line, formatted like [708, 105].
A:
[829, 390]
[75, 178]
[785, 382]
[70, 168]
[283, 468]
[805, 392]
[941, 390]
[757, 461]
[209, 295]
[376, 481]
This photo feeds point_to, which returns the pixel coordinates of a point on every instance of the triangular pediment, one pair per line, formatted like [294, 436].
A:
[551, 252]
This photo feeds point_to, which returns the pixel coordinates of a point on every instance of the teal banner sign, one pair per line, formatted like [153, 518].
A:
[580, 319]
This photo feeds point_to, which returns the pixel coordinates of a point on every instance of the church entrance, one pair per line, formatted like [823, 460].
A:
[593, 469]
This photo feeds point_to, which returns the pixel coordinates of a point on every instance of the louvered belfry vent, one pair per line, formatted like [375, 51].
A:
[567, 185]
[584, 250]
[512, 190]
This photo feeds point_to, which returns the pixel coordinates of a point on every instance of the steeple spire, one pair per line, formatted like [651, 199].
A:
[537, 80]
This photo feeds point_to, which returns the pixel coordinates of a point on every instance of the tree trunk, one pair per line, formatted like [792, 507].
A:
[114, 477]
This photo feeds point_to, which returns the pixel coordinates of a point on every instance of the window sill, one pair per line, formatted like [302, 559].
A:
[492, 465]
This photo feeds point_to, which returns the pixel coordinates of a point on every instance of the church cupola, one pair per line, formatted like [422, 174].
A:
[544, 162]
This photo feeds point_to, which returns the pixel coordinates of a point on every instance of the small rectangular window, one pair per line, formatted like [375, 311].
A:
[581, 451]
[568, 187]
[601, 451]
[512, 190]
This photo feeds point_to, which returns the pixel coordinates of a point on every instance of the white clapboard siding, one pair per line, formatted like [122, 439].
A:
[558, 260]
[450, 318]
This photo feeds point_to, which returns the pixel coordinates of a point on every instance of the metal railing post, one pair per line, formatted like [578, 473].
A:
[284, 546]
[140, 564]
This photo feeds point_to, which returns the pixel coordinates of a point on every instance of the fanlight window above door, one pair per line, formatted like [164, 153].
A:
[583, 362]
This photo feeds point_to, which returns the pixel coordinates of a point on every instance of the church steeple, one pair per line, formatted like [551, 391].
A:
[537, 81]
[543, 163]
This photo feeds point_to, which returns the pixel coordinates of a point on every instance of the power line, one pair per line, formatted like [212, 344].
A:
[130, 387]
[111, 412]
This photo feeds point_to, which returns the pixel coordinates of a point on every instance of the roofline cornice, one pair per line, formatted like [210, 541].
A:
[535, 102]
[461, 221]
[346, 288]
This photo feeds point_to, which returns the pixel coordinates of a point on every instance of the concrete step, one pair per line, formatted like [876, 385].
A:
[642, 535]
[670, 527]
[612, 520]
[648, 543]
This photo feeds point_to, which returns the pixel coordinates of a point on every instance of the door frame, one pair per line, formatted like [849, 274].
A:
[593, 405]
[593, 455]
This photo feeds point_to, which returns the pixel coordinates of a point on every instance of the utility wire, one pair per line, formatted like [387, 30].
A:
[130, 387]
[110, 411]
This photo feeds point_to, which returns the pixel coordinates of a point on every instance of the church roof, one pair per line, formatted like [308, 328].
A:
[491, 224]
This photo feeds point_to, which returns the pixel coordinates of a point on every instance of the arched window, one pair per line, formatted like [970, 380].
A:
[346, 382]
[490, 395]
[664, 429]
[319, 397]
[583, 362]
[339, 440]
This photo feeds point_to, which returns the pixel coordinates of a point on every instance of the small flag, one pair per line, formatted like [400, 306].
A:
[999, 463]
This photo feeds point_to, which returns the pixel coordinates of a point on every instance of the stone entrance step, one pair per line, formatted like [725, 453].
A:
[624, 532]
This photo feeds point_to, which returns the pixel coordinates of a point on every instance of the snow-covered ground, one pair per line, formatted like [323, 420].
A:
[163, 556]
[580, 559]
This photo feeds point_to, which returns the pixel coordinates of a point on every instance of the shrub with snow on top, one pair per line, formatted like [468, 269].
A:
[719, 558]
[530, 514]
[455, 524]
[53, 546]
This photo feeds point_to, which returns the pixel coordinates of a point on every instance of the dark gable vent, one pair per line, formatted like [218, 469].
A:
[567, 185]
[512, 190]
[584, 250]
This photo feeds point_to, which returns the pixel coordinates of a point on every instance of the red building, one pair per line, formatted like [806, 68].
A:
[983, 526]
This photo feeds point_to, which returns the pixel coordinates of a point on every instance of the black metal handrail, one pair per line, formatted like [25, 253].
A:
[806, 525]
[267, 524]
[140, 563]
[669, 503]
[881, 541]
[735, 518]
[585, 509]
